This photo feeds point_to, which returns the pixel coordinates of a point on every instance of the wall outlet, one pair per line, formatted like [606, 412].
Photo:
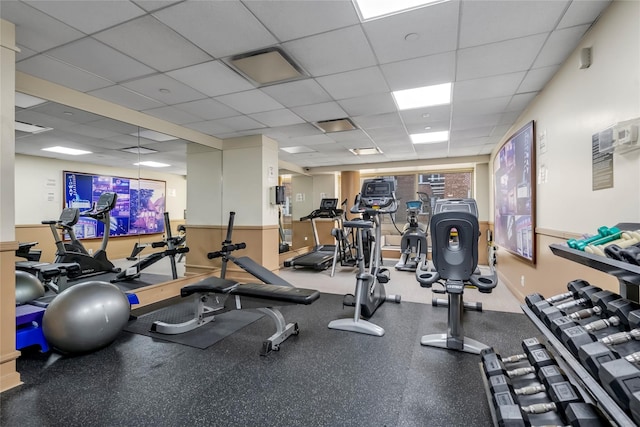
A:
[305, 238]
[90, 251]
[522, 281]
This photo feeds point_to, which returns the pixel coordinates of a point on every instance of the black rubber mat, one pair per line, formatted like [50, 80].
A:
[205, 336]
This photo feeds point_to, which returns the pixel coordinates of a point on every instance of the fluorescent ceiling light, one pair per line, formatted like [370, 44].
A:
[430, 137]
[266, 66]
[25, 101]
[139, 150]
[153, 135]
[66, 150]
[29, 128]
[365, 151]
[370, 9]
[152, 164]
[426, 96]
[297, 150]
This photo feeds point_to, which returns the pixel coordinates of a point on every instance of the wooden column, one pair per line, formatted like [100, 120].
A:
[349, 187]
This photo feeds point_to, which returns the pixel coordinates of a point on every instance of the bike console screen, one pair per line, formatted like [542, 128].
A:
[379, 194]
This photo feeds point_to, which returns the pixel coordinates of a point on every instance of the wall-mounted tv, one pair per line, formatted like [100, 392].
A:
[139, 208]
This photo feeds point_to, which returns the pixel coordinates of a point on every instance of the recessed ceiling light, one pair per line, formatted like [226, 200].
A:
[298, 149]
[365, 151]
[163, 90]
[139, 150]
[153, 135]
[25, 101]
[29, 128]
[68, 113]
[426, 96]
[152, 164]
[66, 150]
[427, 128]
[371, 9]
[430, 137]
[266, 66]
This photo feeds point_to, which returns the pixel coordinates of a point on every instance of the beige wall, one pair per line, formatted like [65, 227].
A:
[575, 104]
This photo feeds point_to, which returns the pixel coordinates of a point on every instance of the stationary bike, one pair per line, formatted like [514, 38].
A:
[376, 197]
[74, 251]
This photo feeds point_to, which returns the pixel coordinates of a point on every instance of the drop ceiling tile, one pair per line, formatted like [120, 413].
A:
[52, 70]
[424, 116]
[305, 140]
[464, 151]
[371, 104]
[273, 118]
[583, 12]
[154, 87]
[500, 131]
[240, 123]
[436, 28]
[536, 79]
[488, 87]
[332, 52]
[24, 53]
[520, 101]
[89, 16]
[509, 118]
[210, 128]
[378, 120]
[91, 55]
[433, 126]
[173, 115]
[292, 131]
[348, 136]
[482, 106]
[499, 58]
[68, 114]
[485, 22]
[251, 101]
[295, 94]
[388, 132]
[153, 44]
[352, 84]
[92, 131]
[212, 78]
[290, 20]
[472, 133]
[323, 111]
[419, 72]
[123, 96]
[221, 28]
[36, 30]
[207, 109]
[151, 5]
[559, 46]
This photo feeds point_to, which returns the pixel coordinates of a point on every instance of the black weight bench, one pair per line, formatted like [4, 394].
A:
[239, 296]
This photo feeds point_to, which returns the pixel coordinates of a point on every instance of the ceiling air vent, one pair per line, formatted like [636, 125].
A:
[336, 125]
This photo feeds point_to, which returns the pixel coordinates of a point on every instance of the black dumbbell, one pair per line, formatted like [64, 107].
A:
[547, 375]
[621, 379]
[569, 321]
[631, 254]
[593, 355]
[619, 316]
[538, 358]
[578, 336]
[537, 302]
[583, 298]
[566, 403]
[527, 345]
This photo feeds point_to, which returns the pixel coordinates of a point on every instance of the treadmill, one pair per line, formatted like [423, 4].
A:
[321, 257]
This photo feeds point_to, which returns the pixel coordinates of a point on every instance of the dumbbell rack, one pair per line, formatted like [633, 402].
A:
[588, 386]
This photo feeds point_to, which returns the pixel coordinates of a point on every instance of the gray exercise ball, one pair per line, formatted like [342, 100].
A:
[86, 317]
[28, 287]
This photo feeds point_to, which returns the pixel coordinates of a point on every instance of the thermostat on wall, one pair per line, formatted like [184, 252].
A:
[625, 136]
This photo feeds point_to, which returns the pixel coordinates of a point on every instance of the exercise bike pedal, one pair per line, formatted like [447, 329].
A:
[383, 275]
[349, 300]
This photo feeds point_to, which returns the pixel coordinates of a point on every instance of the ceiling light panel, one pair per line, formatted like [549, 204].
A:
[426, 96]
[139, 150]
[152, 164]
[25, 101]
[29, 128]
[66, 150]
[430, 137]
[371, 9]
[298, 149]
[365, 151]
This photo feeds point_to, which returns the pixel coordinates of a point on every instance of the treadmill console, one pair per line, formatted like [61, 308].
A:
[378, 195]
[328, 209]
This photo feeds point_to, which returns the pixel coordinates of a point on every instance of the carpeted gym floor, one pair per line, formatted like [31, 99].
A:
[321, 377]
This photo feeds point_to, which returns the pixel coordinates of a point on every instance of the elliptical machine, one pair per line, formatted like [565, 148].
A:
[413, 246]
[377, 197]
[74, 251]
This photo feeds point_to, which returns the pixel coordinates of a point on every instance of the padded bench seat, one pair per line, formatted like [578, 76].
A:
[253, 290]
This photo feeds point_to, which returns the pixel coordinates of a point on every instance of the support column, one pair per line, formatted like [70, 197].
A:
[9, 377]
[349, 186]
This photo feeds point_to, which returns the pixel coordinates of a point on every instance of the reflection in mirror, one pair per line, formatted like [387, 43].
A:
[109, 156]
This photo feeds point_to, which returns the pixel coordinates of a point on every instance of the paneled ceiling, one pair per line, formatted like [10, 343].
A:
[171, 60]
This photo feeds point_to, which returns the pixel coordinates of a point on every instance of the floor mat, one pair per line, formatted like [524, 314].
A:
[224, 325]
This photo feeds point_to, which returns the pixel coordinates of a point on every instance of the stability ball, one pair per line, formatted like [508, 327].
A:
[86, 317]
[28, 287]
